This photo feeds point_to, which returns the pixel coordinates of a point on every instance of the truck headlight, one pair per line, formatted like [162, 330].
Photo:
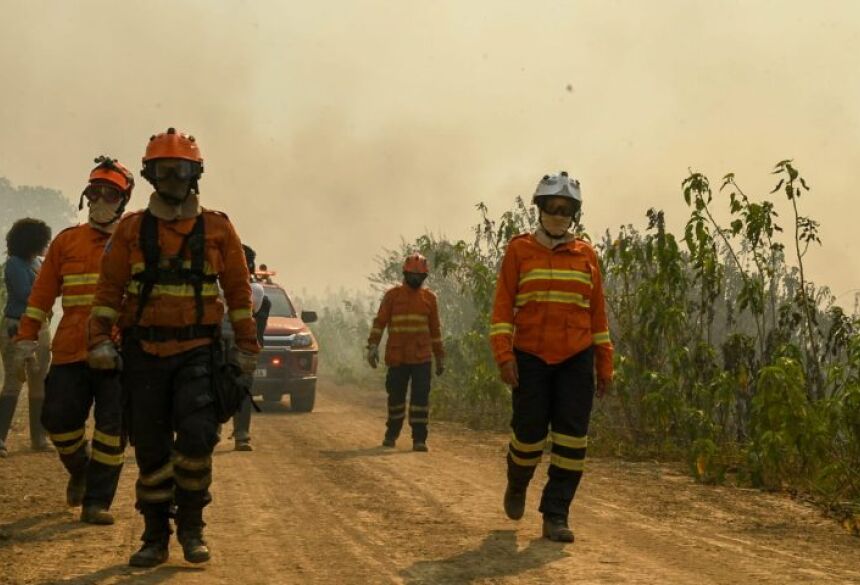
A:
[302, 340]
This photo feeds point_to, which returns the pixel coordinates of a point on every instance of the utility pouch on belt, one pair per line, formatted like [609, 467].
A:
[230, 386]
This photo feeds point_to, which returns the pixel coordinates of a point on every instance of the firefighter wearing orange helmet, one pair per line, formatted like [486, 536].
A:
[410, 313]
[70, 270]
[159, 284]
[550, 336]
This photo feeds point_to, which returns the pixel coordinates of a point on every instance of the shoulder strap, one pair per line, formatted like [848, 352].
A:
[151, 255]
[196, 243]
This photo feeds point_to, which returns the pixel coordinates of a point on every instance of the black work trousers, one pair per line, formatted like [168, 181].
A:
[71, 390]
[174, 429]
[397, 385]
[552, 400]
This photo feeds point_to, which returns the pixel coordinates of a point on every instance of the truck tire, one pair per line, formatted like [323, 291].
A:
[303, 400]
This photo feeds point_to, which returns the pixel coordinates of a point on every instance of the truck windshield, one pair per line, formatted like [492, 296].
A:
[281, 305]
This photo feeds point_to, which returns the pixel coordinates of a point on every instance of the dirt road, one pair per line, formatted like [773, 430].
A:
[319, 502]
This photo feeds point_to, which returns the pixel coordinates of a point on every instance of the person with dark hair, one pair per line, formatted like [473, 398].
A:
[25, 242]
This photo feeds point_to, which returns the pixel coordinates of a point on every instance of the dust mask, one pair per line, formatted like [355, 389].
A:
[555, 226]
[102, 212]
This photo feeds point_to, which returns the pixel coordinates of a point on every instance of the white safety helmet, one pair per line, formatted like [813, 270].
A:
[560, 185]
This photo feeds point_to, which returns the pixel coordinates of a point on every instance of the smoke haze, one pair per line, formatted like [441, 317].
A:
[331, 129]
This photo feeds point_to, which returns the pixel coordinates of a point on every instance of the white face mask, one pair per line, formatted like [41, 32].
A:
[102, 212]
[555, 225]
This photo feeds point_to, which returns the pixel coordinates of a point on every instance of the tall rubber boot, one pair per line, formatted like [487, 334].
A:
[38, 436]
[7, 411]
[189, 531]
[156, 537]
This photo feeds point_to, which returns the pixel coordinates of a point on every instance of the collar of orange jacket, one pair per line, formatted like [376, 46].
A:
[163, 210]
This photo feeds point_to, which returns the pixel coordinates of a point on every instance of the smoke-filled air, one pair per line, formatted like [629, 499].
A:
[429, 291]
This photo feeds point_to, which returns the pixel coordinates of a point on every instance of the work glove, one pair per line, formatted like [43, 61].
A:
[104, 356]
[246, 360]
[26, 350]
[509, 373]
[604, 386]
[11, 327]
[440, 367]
[373, 355]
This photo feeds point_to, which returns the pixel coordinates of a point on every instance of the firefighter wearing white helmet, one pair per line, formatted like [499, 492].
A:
[550, 336]
[559, 201]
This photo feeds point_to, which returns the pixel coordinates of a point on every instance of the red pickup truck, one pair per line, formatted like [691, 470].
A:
[288, 362]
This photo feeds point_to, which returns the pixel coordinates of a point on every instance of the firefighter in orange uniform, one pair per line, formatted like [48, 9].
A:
[159, 284]
[71, 270]
[412, 317]
[550, 336]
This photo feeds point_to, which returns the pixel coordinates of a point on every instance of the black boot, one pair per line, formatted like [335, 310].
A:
[156, 538]
[38, 437]
[556, 529]
[194, 547]
[96, 514]
[189, 531]
[76, 488]
[7, 411]
[151, 554]
[515, 500]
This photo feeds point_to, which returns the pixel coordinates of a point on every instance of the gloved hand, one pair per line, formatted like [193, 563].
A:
[11, 327]
[440, 367]
[26, 349]
[104, 357]
[510, 374]
[373, 355]
[246, 360]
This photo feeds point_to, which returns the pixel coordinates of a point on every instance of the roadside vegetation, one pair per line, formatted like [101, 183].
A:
[728, 357]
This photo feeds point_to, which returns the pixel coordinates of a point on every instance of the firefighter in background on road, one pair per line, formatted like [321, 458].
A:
[71, 269]
[25, 242]
[260, 306]
[159, 284]
[411, 314]
[549, 333]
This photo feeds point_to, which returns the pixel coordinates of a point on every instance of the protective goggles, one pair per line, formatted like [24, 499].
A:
[105, 192]
[178, 168]
[560, 206]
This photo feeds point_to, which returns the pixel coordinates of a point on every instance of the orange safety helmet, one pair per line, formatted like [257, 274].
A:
[415, 262]
[172, 144]
[110, 170]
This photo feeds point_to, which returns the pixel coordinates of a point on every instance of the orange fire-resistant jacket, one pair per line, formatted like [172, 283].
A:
[412, 318]
[116, 298]
[550, 303]
[70, 269]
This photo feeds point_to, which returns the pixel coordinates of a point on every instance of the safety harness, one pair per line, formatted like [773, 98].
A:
[174, 273]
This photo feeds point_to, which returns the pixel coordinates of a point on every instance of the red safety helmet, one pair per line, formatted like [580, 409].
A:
[415, 262]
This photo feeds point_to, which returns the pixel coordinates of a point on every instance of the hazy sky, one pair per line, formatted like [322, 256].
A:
[331, 129]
